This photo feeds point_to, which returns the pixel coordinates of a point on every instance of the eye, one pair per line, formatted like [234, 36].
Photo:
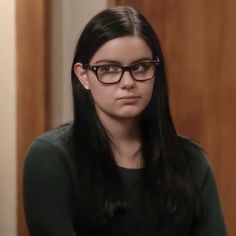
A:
[105, 69]
[140, 67]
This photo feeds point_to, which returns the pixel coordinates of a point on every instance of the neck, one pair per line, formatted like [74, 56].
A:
[123, 130]
[125, 141]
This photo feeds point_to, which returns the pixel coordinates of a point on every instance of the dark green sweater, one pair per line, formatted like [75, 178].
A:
[48, 191]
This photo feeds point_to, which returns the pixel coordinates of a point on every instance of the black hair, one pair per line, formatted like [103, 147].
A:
[166, 171]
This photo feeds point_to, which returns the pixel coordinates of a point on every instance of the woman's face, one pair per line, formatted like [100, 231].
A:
[127, 98]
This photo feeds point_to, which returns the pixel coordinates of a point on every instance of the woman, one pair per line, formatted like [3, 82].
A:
[120, 167]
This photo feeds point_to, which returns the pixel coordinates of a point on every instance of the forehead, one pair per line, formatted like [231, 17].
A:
[124, 50]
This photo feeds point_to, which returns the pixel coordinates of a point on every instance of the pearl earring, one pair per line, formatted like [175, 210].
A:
[86, 87]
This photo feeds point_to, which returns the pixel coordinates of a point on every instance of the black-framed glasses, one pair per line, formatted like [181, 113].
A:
[113, 73]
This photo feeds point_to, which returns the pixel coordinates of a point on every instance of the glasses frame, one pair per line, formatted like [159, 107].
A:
[94, 69]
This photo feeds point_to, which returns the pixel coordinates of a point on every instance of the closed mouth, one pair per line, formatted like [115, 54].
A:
[128, 97]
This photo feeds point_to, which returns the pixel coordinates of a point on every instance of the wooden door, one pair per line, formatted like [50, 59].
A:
[32, 84]
[198, 38]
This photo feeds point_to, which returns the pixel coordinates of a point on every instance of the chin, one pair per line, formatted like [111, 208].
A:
[129, 115]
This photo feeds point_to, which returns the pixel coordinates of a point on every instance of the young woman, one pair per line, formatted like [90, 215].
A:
[119, 168]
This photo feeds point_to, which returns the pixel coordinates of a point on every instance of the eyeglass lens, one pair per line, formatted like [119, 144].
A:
[113, 73]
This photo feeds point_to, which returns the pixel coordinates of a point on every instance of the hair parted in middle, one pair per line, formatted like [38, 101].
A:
[167, 176]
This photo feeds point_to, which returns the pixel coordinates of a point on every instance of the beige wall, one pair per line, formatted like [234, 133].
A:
[7, 119]
[68, 19]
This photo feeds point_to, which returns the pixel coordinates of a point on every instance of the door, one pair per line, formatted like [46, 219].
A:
[198, 39]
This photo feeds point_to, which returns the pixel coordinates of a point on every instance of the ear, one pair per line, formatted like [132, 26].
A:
[81, 74]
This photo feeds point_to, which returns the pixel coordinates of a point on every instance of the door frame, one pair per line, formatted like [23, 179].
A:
[33, 85]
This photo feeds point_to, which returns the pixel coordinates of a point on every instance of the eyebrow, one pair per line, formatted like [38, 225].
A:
[119, 63]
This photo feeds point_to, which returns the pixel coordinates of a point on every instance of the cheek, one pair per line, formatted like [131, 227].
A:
[102, 96]
[147, 92]
[97, 90]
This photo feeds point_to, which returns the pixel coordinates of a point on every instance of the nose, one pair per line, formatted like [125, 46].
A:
[127, 81]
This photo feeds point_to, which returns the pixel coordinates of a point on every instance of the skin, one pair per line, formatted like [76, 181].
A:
[119, 105]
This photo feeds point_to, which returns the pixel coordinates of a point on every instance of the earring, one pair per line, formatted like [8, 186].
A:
[86, 87]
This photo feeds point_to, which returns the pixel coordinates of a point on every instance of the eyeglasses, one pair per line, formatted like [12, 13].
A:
[113, 73]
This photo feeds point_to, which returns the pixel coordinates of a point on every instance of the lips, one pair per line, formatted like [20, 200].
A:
[129, 100]
[130, 97]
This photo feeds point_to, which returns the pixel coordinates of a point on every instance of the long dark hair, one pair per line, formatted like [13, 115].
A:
[166, 172]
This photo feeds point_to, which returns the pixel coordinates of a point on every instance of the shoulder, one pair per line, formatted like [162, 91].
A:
[197, 160]
[48, 152]
[54, 140]
[212, 222]
[57, 137]
[194, 152]
[48, 188]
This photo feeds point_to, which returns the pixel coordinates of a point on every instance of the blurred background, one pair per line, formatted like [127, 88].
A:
[36, 49]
